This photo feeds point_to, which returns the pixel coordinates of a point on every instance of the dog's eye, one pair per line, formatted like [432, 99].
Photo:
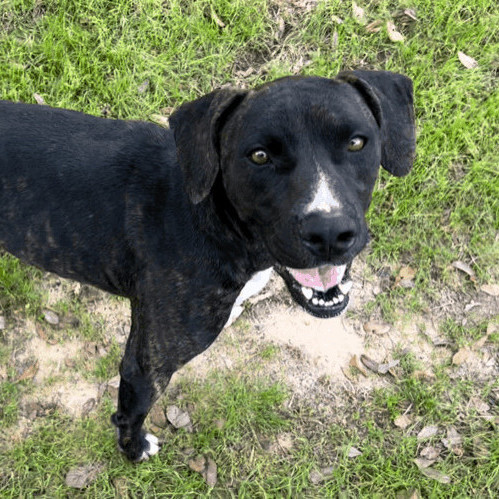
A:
[356, 144]
[259, 157]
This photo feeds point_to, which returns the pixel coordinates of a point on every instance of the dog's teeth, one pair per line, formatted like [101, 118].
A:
[321, 302]
[329, 303]
[307, 292]
[315, 301]
[341, 297]
[345, 287]
[336, 300]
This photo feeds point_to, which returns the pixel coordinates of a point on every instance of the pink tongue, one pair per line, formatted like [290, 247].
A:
[320, 278]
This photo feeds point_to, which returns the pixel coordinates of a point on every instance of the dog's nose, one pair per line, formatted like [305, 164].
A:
[328, 236]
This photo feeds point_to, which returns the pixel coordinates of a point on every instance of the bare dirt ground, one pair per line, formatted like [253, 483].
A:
[323, 362]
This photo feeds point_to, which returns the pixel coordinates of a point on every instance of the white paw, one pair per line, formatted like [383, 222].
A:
[153, 447]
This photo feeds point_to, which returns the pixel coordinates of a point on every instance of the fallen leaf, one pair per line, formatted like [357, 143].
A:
[143, 86]
[285, 441]
[467, 61]
[411, 13]
[453, 439]
[423, 463]
[39, 99]
[51, 317]
[480, 448]
[427, 432]
[384, 368]
[407, 273]
[402, 421]
[29, 372]
[2, 322]
[318, 476]
[423, 374]
[217, 20]
[462, 356]
[206, 467]
[179, 418]
[161, 120]
[377, 328]
[375, 26]
[430, 453]
[358, 13]
[354, 452]
[372, 365]
[82, 476]
[408, 494]
[490, 289]
[355, 362]
[435, 475]
[479, 405]
[393, 34]
[464, 267]
[479, 344]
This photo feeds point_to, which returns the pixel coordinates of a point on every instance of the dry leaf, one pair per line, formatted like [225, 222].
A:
[51, 317]
[160, 120]
[81, 477]
[453, 438]
[372, 327]
[316, 477]
[217, 20]
[423, 463]
[430, 453]
[179, 418]
[423, 375]
[411, 13]
[402, 421]
[2, 322]
[435, 475]
[467, 61]
[384, 368]
[393, 34]
[355, 362]
[39, 99]
[336, 19]
[479, 405]
[408, 494]
[372, 365]
[462, 356]
[375, 26]
[427, 432]
[354, 452]
[464, 267]
[358, 13]
[207, 467]
[490, 289]
[285, 441]
[29, 372]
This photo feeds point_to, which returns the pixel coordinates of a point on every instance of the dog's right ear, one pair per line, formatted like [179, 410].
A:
[196, 126]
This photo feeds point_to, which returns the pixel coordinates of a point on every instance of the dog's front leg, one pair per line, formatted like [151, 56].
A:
[145, 373]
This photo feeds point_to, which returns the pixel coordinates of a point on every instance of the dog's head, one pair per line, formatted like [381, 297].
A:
[298, 159]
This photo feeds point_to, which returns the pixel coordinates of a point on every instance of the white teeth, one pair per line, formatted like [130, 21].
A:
[335, 300]
[341, 297]
[315, 301]
[307, 292]
[329, 303]
[345, 287]
[321, 302]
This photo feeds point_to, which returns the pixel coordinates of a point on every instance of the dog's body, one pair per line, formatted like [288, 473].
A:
[179, 220]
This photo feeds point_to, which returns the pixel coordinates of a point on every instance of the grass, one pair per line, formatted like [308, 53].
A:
[135, 59]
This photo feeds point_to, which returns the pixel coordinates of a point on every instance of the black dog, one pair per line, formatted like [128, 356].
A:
[178, 221]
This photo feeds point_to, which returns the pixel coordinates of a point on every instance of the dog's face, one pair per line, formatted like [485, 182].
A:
[298, 159]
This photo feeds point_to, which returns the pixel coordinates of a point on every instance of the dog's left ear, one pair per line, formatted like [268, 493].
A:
[390, 97]
[196, 126]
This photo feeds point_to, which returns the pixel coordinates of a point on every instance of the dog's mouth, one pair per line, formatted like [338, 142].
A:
[321, 291]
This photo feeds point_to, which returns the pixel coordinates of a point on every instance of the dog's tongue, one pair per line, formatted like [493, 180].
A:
[319, 278]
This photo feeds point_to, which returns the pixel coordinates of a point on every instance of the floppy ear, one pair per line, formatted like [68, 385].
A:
[390, 97]
[196, 126]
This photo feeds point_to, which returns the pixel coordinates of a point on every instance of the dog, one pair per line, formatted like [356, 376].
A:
[178, 220]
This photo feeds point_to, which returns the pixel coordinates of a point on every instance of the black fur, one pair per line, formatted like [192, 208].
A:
[179, 220]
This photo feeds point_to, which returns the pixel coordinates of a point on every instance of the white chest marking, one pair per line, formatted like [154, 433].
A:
[324, 199]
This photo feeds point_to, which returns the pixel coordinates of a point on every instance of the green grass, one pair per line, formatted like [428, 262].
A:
[133, 59]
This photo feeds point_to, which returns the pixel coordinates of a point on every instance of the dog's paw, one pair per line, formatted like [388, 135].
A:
[153, 447]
